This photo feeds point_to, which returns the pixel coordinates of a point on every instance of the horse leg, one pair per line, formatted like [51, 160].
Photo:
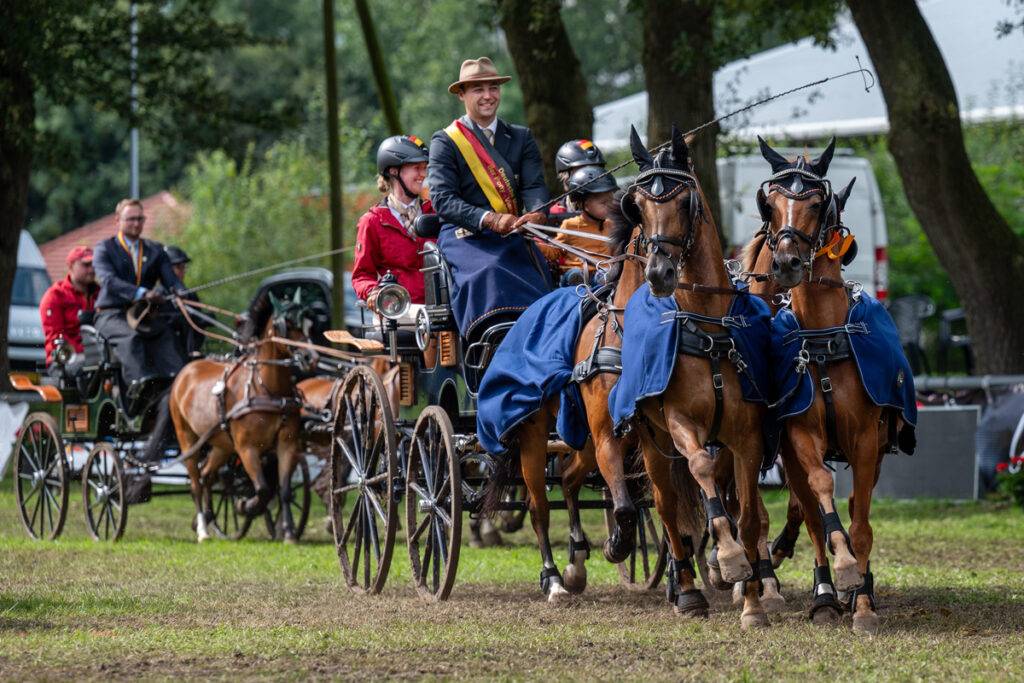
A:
[771, 589]
[252, 461]
[199, 498]
[751, 531]
[687, 600]
[215, 459]
[825, 607]
[731, 557]
[866, 467]
[580, 464]
[287, 458]
[533, 459]
[783, 545]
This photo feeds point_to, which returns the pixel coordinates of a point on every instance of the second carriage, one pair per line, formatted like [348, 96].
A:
[408, 457]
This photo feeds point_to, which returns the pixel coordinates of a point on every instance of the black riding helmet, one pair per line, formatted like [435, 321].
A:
[176, 255]
[399, 150]
[590, 180]
[576, 153]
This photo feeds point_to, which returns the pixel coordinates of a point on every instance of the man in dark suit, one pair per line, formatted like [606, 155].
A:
[128, 269]
[486, 179]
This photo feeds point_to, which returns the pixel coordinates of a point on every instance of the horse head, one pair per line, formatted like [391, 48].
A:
[800, 212]
[666, 199]
[272, 321]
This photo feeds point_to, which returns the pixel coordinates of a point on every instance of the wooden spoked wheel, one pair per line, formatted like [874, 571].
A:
[103, 493]
[645, 566]
[232, 485]
[42, 471]
[364, 464]
[433, 505]
[300, 502]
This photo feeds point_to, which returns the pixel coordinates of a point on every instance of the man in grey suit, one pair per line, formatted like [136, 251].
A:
[486, 179]
[128, 269]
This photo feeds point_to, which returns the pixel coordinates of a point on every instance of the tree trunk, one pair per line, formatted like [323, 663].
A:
[550, 76]
[982, 256]
[679, 67]
[17, 127]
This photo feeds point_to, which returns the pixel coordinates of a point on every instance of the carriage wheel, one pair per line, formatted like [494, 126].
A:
[363, 462]
[300, 502]
[645, 566]
[433, 505]
[106, 513]
[512, 520]
[42, 489]
[232, 484]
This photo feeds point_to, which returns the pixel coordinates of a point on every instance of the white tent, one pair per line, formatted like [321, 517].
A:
[987, 72]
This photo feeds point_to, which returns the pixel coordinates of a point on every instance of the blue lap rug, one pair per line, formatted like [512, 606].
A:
[649, 350]
[875, 344]
[533, 364]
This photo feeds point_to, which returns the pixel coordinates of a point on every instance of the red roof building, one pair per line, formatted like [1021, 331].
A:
[165, 216]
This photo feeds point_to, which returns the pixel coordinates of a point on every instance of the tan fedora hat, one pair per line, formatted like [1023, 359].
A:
[476, 71]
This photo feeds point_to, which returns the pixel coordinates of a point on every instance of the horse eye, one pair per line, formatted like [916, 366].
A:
[816, 206]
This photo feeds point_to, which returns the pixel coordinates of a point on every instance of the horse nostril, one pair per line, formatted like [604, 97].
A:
[794, 262]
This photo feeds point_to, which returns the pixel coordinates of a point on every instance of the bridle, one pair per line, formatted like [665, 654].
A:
[828, 226]
[649, 184]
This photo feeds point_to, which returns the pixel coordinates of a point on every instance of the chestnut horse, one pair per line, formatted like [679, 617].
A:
[684, 260]
[254, 396]
[805, 241]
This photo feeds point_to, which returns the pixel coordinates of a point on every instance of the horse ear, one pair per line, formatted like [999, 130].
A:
[629, 209]
[680, 150]
[820, 165]
[763, 207]
[777, 161]
[844, 194]
[640, 154]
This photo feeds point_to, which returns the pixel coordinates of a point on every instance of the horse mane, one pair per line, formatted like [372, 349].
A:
[620, 232]
[751, 250]
[256, 318]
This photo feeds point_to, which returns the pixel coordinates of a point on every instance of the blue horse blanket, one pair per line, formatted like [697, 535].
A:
[533, 364]
[649, 350]
[491, 275]
[876, 348]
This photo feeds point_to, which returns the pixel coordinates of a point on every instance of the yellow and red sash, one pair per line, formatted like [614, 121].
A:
[490, 176]
[138, 260]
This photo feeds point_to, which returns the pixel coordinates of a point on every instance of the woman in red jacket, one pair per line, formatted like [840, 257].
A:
[385, 240]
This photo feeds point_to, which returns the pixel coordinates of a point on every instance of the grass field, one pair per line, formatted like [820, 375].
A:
[950, 582]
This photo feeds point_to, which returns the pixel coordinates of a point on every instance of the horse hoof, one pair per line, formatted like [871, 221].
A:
[737, 594]
[290, 539]
[691, 604]
[613, 554]
[575, 579]
[866, 623]
[778, 559]
[733, 564]
[825, 616]
[751, 620]
[202, 537]
[557, 594]
[492, 539]
[771, 598]
[848, 576]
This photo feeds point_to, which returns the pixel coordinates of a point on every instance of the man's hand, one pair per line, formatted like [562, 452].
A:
[154, 296]
[371, 299]
[532, 217]
[501, 223]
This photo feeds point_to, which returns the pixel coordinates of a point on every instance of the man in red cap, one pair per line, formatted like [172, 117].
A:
[64, 299]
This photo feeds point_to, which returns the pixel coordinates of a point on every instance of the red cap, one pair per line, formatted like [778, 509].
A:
[79, 254]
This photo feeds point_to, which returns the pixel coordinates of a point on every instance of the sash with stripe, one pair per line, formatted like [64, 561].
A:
[137, 263]
[492, 177]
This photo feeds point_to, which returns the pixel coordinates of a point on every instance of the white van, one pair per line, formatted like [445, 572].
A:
[25, 337]
[739, 177]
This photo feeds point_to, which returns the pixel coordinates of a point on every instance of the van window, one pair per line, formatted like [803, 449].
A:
[29, 286]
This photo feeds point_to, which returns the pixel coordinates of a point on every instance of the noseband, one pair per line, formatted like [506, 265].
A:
[650, 184]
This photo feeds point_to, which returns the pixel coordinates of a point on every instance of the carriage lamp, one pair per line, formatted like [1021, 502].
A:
[393, 301]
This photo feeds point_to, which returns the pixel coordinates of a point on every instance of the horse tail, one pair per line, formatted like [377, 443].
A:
[163, 427]
[689, 507]
[500, 481]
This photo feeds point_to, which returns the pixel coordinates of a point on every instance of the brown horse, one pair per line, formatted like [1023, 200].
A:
[255, 396]
[801, 216]
[702, 407]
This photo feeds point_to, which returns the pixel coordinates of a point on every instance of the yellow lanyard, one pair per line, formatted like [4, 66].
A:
[138, 259]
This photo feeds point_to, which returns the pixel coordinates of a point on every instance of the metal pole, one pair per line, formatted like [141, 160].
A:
[334, 164]
[380, 71]
[134, 163]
